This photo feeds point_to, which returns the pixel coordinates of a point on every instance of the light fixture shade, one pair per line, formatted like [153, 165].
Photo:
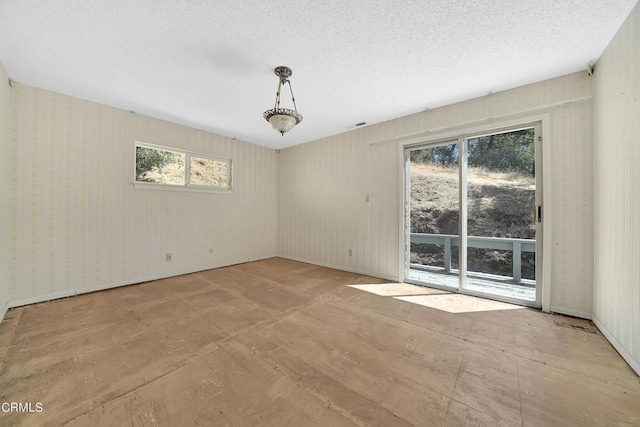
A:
[282, 119]
[282, 123]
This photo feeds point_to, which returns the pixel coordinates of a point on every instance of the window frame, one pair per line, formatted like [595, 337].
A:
[187, 186]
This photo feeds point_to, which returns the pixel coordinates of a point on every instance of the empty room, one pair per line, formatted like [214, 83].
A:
[319, 213]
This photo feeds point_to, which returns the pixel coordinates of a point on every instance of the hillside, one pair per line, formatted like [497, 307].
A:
[203, 172]
[500, 205]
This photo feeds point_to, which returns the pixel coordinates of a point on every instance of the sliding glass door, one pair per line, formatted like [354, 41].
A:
[433, 214]
[473, 214]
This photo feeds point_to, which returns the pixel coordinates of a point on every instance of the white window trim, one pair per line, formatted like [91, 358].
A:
[187, 186]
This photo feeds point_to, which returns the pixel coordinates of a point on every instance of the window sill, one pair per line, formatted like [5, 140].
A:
[168, 187]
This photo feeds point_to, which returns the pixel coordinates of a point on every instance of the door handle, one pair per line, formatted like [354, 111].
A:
[539, 212]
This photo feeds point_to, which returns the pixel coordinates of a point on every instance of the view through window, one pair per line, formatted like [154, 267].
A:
[168, 166]
[498, 200]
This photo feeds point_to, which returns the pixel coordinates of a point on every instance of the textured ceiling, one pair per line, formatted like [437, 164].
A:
[209, 64]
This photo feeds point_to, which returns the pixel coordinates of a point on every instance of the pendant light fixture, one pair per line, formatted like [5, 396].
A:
[283, 119]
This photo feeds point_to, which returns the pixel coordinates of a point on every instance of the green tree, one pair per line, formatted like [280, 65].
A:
[446, 155]
[442, 155]
[149, 158]
[421, 156]
[505, 152]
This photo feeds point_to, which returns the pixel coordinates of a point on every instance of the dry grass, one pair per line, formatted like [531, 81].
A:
[475, 175]
[203, 172]
[499, 205]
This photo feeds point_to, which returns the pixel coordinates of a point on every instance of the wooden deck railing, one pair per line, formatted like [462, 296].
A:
[517, 246]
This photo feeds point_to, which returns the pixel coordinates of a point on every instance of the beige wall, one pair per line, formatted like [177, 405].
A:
[323, 186]
[5, 125]
[323, 210]
[77, 223]
[617, 201]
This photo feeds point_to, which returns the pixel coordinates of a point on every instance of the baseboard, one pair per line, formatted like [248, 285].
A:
[628, 357]
[341, 268]
[261, 258]
[569, 312]
[105, 286]
[41, 298]
[3, 310]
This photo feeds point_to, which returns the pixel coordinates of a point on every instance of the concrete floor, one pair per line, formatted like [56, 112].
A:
[281, 343]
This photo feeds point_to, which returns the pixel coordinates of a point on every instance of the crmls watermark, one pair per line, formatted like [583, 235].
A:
[21, 407]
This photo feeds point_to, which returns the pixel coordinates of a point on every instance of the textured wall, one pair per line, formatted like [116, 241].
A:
[617, 201]
[323, 186]
[5, 125]
[77, 223]
[323, 209]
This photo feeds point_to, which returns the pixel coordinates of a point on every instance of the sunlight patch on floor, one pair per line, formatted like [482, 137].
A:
[397, 289]
[458, 303]
[435, 298]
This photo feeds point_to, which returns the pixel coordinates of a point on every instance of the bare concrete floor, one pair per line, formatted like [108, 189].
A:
[281, 343]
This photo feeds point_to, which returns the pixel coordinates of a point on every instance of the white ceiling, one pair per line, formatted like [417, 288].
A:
[209, 64]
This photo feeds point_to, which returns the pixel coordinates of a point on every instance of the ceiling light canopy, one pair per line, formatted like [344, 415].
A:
[283, 119]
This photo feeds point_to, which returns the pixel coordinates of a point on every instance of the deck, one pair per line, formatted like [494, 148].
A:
[489, 284]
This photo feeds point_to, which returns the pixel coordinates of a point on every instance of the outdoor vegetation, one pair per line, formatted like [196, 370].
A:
[152, 165]
[168, 167]
[501, 199]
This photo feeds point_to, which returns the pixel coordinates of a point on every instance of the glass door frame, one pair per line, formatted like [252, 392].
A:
[407, 211]
[542, 159]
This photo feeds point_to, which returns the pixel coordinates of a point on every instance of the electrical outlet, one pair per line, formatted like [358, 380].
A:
[350, 252]
[211, 250]
[168, 256]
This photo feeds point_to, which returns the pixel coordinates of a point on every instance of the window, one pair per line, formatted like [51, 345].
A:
[162, 166]
[209, 172]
